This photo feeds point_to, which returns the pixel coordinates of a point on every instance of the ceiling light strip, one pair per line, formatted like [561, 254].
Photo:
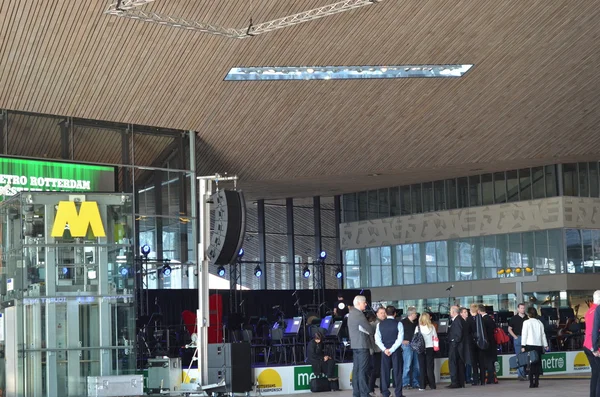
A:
[347, 72]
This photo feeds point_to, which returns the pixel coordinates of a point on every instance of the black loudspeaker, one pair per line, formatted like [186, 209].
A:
[230, 227]
[231, 362]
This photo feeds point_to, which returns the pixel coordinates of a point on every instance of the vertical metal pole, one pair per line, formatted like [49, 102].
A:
[125, 160]
[262, 244]
[203, 311]
[289, 207]
[64, 139]
[3, 130]
[158, 204]
[183, 228]
[194, 201]
[519, 291]
[560, 188]
[339, 257]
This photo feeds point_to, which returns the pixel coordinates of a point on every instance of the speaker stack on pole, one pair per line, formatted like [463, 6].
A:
[229, 229]
[231, 362]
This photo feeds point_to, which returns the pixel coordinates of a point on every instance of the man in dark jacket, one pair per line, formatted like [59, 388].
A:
[360, 332]
[488, 356]
[458, 352]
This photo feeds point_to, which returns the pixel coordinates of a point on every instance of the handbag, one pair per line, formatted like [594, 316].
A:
[524, 359]
[436, 343]
[418, 342]
[318, 385]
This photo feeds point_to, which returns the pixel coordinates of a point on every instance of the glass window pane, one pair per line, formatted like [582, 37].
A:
[374, 256]
[499, 188]
[405, 205]
[463, 192]
[489, 255]
[395, 201]
[574, 251]
[416, 199]
[373, 204]
[349, 205]
[588, 261]
[464, 260]
[512, 186]
[441, 252]
[528, 249]
[525, 184]
[594, 187]
[541, 252]
[409, 275]
[375, 276]
[439, 196]
[487, 182]
[551, 186]
[352, 269]
[474, 191]
[596, 248]
[362, 206]
[384, 203]
[386, 276]
[570, 185]
[584, 184]
[537, 176]
[514, 251]
[501, 250]
[442, 274]
[427, 190]
[451, 194]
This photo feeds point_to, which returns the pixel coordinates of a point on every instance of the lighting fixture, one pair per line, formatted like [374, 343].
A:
[145, 250]
[346, 72]
[92, 274]
[257, 271]
[323, 255]
[129, 9]
[166, 270]
[123, 271]
[339, 273]
[306, 272]
[240, 253]
[221, 271]
[341, 305]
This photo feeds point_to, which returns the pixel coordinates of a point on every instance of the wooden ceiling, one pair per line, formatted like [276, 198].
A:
[533, 96]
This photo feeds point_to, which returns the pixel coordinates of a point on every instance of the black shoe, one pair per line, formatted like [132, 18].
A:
[474, 384]
[453, 387]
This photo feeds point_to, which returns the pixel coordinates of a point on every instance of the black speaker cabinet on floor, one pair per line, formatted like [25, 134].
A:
[230, 227]
[232, 362]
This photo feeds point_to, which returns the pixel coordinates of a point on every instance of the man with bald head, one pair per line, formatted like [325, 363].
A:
[457, 353]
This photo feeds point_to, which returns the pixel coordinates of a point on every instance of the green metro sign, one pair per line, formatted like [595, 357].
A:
[303, 375]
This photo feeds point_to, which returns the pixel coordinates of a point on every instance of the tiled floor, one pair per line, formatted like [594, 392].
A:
[508, 388]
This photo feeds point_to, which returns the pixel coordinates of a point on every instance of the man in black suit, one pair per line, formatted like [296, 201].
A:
[488, 356]
[458, 340]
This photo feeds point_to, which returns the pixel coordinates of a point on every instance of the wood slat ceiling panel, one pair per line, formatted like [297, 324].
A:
[532, 95]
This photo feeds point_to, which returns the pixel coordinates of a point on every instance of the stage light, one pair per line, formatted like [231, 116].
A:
[341, 305]
[240, 253]
[145, 249]
[257, 271]
[339, 273]
[65, 270]
[221, 271]
[166, 270]
[323, 255]
[123, 271]
[306, 272]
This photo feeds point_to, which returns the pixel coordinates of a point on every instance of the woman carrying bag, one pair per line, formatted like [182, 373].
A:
[426, 360]
[533, 338]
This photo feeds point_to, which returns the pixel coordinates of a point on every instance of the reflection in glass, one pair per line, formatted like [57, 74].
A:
[538, 184]
[525, 184]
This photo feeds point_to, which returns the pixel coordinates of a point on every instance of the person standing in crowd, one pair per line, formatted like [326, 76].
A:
[590, 344]
[515, 327]
[426, 360]
[409, 356]
[476, 367]
[321, 363]
[456, 350]
[533, 337]
[376, 356]
[360, 341]
[389, 336]
[488, 357]
[464, 313]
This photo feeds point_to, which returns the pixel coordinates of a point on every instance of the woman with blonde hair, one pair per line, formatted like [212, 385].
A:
[426, 361]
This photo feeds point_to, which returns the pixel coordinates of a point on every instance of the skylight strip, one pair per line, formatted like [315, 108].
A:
[346, 72]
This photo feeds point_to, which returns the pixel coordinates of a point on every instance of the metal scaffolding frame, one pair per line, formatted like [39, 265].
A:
[128, 9]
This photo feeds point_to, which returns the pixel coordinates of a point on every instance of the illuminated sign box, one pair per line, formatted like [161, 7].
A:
[17, 175]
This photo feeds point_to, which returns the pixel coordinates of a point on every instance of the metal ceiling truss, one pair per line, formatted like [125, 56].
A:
[128, 9]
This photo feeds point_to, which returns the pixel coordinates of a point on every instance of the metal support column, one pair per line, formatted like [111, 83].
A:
[125, 159]
[339, 255]
[203, 308]
[262, 243]
[183, 211]
[3, 131]
[289, 207]
[560, 187]
[194, 201]
[158, 204]
[64, 139]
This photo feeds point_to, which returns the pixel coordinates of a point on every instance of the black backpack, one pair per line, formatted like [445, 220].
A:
[480, 339]
[418, 342]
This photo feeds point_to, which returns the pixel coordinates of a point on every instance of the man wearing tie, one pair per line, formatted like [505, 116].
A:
[388, 337]
[457, 354]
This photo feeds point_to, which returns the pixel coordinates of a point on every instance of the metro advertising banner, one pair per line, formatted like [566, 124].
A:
[17, 175]
[296, 379]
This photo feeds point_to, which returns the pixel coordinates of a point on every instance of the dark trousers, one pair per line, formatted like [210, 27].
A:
[595, 365]
[375, 370]
[475, 364]
[426, 367]
[327, 368]
[391, 363]
[457, 366]
[487, 363]
[360, 372]
[535, 369]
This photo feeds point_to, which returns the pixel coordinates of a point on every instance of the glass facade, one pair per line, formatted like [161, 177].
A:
[473, 191]
[463, 259]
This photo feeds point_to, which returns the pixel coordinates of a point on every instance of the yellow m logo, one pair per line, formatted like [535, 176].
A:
[89, 215]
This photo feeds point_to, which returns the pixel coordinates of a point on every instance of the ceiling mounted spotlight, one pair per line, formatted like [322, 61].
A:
[123, 271]
[306, 272]
[166, 270]
[323, 255]
[221, 271]
[145, 250]
[240, 253]
[339, 273]
[257, 271]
